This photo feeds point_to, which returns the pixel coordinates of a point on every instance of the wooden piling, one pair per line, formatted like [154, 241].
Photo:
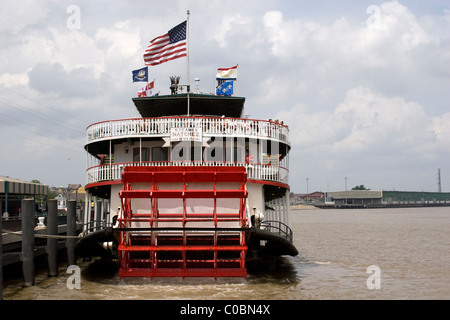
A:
[52, 244]
[1, 252]
[71, 231]
[28, 243]
[98, 216]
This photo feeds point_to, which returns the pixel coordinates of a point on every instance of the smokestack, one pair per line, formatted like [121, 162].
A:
[174, 82]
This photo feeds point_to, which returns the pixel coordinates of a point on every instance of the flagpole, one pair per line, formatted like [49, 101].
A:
[188, 75]
[146, 87]
[237, 77]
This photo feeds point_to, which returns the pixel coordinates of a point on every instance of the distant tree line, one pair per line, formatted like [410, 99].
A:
[50, 195]
[360, 187]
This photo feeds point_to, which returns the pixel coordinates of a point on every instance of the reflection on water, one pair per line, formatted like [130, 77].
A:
[336, 247]
[100, 280]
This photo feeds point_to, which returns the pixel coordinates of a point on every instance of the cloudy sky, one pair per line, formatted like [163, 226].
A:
[363, 85]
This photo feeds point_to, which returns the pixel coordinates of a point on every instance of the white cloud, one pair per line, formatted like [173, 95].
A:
[75, 49]
[17, 17]
[54, 79]
[396, 32]
[368, 132]
[382, 125]
[441, 128]
[13, 80]
[398, 57]
[121, 41]
[229, 25]
[366, 123]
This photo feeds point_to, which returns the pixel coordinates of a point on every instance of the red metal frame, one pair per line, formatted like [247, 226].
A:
[175, 249]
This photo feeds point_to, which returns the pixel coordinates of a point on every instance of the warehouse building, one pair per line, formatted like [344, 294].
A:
[370, 198]
[415, 197]
[354, 197]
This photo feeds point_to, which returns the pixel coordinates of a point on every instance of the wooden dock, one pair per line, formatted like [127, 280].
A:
[23, 240]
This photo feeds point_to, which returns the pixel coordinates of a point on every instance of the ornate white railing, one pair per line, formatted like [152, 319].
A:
[113, 172]
[210, 126]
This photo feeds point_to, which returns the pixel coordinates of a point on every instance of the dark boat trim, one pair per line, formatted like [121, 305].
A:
[160, 106]
[276, 245]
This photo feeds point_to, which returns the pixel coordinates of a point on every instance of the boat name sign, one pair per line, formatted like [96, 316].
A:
[186, 134]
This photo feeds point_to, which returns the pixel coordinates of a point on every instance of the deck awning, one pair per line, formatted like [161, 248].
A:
[14, 186]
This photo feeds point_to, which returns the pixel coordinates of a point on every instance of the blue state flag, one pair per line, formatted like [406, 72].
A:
[225, 89]
[140, 75]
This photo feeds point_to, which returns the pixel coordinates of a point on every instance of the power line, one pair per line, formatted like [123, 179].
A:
[54, 109]
[28, 124]
[53, 124]
[28, 112]
[40, 141]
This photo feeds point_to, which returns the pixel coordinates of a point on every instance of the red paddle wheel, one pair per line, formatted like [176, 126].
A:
[183, 222]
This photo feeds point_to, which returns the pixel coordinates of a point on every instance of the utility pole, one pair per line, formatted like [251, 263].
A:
[307, 190]
[346, 195]
[439, 181]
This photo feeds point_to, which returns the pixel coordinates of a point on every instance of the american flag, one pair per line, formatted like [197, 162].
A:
[169, 46]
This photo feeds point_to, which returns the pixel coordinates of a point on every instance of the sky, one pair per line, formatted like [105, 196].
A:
[364, 86]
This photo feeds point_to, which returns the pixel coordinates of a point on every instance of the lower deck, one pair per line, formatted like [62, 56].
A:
[193, 221]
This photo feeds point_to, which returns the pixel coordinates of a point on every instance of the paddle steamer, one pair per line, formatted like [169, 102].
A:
[192, 187]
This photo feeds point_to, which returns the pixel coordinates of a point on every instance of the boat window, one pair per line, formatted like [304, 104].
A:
[159, 154]
[144, 156]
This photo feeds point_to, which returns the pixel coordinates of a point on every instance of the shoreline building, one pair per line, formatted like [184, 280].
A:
[372, 198]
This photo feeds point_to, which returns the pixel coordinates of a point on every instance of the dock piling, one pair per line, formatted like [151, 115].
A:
[28, 242]
[52, 243]
[1, 254]
[71, 231]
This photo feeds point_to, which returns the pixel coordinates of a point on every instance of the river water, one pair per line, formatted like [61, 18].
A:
[407, 250]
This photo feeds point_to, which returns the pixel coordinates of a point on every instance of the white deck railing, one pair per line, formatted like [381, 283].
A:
[113, 172]
[215, 126]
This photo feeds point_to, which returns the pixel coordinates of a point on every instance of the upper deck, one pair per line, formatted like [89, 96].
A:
[161, 127]
[164, 123]
[214, 115]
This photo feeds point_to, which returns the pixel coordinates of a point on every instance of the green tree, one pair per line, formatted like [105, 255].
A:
[360, 187]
